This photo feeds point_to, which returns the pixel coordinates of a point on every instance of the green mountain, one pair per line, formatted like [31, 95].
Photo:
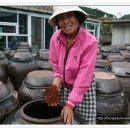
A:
[95, 13]
[126, 16]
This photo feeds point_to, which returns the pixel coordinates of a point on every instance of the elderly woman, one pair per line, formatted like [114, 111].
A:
[72, 53]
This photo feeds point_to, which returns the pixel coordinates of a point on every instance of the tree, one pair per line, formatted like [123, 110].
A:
[106, 28]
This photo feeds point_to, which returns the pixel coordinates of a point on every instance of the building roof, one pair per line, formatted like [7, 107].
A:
[117, 21]
[41, 9]
[93, 20]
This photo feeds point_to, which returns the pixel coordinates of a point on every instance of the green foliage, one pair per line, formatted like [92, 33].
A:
[106, 28]
[99, 15]
[95, 13]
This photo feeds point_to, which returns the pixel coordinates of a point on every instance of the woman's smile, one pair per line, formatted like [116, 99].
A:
[68, 27]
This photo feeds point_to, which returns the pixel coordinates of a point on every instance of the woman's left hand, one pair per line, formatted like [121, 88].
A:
[67, 112]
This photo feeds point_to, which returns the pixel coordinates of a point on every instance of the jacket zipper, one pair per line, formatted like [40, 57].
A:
[65, 60]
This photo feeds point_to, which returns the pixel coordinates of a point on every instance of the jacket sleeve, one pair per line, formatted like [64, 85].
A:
[84, 76]
[53, 58]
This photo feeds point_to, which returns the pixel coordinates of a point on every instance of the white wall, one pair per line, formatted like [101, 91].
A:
[121, 34]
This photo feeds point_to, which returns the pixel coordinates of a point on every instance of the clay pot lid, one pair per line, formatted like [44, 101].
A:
[104, 75]
[121, 68]
[22, 44]
[39, 73]
[43, 50]
[102, 63]
[115, 58]
[127, 44]
[22, 50]
[7, 49]
[4, 92]
[121, 64]
[128, 48]
[125, 54]
[107, 84]
[122, 47]
[106, 49]
[22, 56]
[39, 79]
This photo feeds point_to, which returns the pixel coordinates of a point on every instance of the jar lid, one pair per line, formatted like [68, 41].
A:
[22, 56]
[39, 79]
[121, 68]
[107, 84]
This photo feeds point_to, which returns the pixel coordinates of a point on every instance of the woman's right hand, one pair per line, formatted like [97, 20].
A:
[52, 96]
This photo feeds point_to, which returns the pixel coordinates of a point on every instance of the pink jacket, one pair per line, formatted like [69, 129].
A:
[74, 66]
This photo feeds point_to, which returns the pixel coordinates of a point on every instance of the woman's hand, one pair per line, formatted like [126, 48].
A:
[52, 96]
[67, 112]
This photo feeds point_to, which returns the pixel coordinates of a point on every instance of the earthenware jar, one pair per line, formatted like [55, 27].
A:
[37, 112]
[8, 103]
[3, 75]
[111, 101]
[19, 66]
[3, 60]
[42, 60]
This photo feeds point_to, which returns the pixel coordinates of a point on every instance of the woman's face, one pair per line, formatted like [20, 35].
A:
[68, 22]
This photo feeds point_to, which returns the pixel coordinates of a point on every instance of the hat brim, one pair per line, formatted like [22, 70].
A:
[52, 20]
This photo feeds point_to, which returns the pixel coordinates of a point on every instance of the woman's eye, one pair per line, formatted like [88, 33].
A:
[60, 18]
[70, 15]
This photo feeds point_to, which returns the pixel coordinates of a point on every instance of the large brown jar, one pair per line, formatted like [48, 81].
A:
[7, 52]
[8, 103]
[19, 66]
[37, 112]
[111, 101]
[112, 109]
[3, 75]
[122, 71]
[3, 60]
[42, 60]
[43, 54]
[105, 51]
